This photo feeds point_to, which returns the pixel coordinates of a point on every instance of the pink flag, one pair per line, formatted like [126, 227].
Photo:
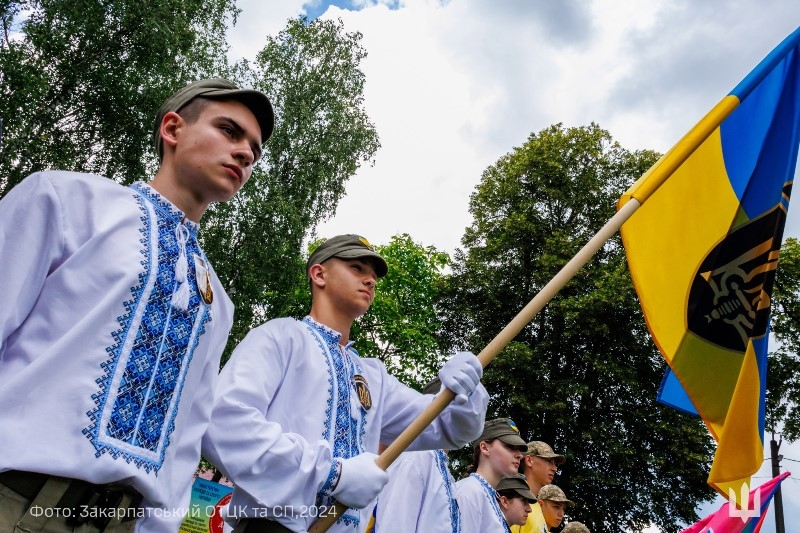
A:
[748, 519]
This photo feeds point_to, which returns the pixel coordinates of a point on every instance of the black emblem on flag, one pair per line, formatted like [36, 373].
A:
[729, 300]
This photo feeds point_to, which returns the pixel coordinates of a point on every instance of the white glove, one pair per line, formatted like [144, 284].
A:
[461, 374]
[360, 481]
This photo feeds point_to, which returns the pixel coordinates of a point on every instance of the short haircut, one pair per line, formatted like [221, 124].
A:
[192, 111]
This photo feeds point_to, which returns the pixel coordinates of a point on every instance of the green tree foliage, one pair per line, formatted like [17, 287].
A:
[401, 326]
[322, 135]
[584, 374]
[783, 373]
[81, 80]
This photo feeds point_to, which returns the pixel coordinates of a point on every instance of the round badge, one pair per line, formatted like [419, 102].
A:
[362, 389]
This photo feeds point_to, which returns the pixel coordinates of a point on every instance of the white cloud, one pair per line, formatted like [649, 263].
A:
[257, 20]
[452, 86]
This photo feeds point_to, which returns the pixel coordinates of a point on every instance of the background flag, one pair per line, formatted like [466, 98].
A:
[722, 521]
[703, 251]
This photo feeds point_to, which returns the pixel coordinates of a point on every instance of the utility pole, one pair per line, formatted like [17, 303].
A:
[776, 471]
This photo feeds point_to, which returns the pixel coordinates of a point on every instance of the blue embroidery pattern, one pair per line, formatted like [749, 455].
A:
[343, 430]
[145, 372]
[333, 476]
[455, 515]
[317, 330]
[491, 495]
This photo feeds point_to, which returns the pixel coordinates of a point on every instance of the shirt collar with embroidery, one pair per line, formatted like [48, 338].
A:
[164, 207]
[327, 332]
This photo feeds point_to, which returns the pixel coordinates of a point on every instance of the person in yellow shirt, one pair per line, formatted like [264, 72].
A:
[540, 465]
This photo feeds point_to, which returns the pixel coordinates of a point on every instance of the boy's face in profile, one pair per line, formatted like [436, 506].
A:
[516, 510]
[553, 512]
[349, 284]
[214, 154]
[542, 470]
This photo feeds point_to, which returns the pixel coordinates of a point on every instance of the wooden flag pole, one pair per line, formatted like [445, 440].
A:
[443, 399]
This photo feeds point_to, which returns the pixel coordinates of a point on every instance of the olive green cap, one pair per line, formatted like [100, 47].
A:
[433, 386]
[349, 246]
[504, 429]
[217, 89]
[517, 483]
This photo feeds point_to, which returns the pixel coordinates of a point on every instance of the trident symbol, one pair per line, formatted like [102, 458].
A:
[745, 514]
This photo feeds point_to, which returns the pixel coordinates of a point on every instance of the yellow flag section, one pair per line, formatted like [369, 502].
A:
[703, 251]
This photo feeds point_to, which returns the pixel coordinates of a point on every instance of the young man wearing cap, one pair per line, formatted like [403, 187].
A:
[539, 466]
[515, 499]
[298, 415]
[115, 318]
[553, 502]
[497, 453]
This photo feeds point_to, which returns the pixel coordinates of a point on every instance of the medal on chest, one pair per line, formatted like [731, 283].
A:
[362, 390]
[203, 280]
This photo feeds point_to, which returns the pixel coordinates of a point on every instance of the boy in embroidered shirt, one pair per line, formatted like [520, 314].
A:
[114, 316]
[298, 415]
[497, 453]
[420, 495]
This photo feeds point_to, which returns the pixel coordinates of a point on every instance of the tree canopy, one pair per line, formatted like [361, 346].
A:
[322, 135]
[81, 80]
[583, 375]
[783, 372]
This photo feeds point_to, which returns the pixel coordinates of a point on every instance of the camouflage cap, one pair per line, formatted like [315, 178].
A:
[541, 449]
[217, 89]
[517, 483]
[554, 494]
[504, 429]
[349, 246]
[575, 527]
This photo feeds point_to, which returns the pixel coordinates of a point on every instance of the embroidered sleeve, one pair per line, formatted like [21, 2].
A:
[333, 477]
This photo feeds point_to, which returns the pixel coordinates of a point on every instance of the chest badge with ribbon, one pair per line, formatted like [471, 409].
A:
[203, 280]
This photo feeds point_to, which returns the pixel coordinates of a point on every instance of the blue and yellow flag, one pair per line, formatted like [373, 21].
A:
[703, 250]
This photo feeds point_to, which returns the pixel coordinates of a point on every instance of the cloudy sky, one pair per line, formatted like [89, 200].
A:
[454, 85]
